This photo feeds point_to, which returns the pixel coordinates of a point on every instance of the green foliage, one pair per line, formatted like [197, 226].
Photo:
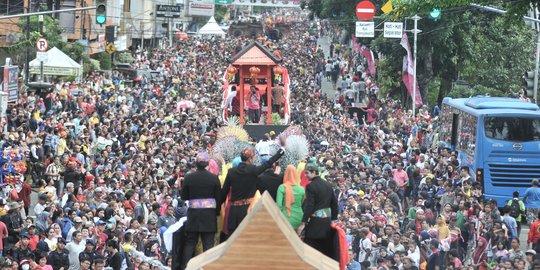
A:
[276, 119]
[104, 60]
[124, 57]
[220, 13]
[489, 51]
[516, 9]
[91, 65]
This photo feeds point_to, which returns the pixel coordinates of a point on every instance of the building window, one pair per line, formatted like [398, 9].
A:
[10, 7]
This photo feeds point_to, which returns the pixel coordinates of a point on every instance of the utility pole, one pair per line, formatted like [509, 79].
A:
[83, 31]
[27, 54]
[171, 2]
[416, 18]
[142, 36]
[41, 61]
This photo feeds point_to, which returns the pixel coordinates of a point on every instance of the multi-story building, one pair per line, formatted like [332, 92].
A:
[134, 20]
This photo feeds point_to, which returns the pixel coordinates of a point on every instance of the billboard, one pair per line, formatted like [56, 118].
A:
[10, 83]
[201, 8]
[169, 11]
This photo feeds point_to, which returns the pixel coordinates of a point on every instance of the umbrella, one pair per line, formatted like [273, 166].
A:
[185, 104]
[181, 35]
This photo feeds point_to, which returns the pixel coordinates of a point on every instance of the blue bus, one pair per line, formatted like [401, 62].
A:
[497, 138]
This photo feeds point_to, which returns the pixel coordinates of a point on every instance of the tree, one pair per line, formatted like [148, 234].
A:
[487, 50]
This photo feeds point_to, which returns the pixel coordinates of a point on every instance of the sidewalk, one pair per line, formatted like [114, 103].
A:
[326, 85]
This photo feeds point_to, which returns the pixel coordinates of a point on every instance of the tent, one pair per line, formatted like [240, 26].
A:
[57, 64]
[211, 28]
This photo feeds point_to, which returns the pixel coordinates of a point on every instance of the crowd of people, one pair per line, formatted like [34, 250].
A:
[109, 163]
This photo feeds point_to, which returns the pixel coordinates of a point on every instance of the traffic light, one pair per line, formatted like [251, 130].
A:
[528, 83]
[435, 13]
[110, 33]
[101, 11]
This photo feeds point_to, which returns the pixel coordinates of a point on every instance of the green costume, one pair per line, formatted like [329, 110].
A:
[296, 207]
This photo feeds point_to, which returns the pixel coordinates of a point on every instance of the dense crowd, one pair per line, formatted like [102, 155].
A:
[108, 160]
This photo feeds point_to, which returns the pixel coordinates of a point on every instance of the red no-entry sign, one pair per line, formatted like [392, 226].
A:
[365, 10]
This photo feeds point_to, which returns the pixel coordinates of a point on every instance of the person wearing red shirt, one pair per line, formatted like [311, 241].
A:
[34, 239]
[534, 233]
[3, 235]
[401, 178]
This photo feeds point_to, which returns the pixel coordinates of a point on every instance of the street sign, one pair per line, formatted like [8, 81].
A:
[365, 10]
[223, 2]
[110, 49]
[169, 11]
[42, 44]
[41, 56]
[393, 29]
[365, 29]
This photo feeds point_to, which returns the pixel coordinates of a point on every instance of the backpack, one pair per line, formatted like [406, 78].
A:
[65, 225]
[515, 209]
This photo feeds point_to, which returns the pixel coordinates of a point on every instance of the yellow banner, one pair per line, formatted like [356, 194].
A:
[387, 8]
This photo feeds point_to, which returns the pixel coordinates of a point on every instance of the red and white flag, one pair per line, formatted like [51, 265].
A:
[408, 71]
[368, 54]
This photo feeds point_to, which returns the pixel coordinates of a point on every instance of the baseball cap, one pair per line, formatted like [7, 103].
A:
[312, 167]
[100, 222]
[61, 240]
[531, 251]
[77, 220]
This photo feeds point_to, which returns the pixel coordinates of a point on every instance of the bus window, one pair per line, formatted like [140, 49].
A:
[446, 124]
[467, 133]
[456, 125]
[515, 129]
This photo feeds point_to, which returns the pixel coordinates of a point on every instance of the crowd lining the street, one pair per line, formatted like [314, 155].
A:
[108, 162]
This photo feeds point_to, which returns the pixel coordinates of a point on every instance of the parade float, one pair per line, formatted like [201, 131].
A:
[256, 66]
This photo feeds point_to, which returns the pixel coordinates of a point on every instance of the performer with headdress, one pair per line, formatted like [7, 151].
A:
[243, 180]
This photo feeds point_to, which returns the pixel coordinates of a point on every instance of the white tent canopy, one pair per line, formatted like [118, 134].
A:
[57, 63]
[211, 28]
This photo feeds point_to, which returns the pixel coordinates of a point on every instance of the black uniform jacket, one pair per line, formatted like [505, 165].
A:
[319, 195]
[202, 184]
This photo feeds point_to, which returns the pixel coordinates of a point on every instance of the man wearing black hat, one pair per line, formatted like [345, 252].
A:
[243, 180]
[203, 191]
[89, 252]
[59, 258]
[23, 251]
[320, 208]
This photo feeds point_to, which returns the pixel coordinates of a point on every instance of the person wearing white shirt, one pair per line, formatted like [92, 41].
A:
[75, 248]
[77, 226]
[42, 203]
[70, 188]
[365, 246]
[414, 253]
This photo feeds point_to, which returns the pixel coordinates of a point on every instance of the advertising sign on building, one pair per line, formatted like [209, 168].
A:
[10, 83]
[169, 11]
[201, 8]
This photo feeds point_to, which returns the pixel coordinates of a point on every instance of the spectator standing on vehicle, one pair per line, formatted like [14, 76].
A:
[531, 198]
